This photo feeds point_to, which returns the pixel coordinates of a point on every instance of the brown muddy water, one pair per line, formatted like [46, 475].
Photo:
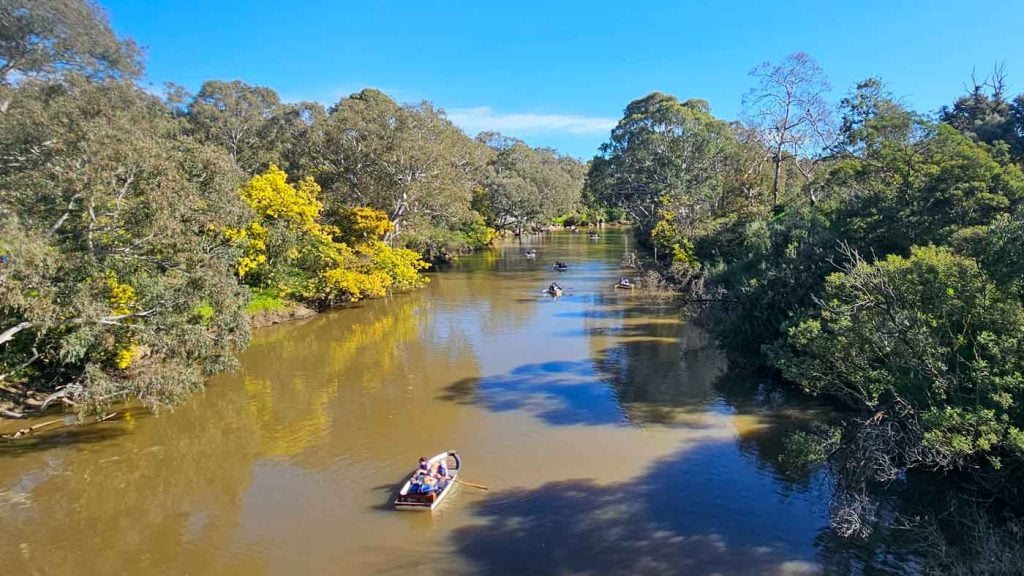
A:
[610, 431]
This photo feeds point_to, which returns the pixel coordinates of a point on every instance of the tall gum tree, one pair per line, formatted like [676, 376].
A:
[663, 155]
[48, 38]
[789, 111]
[113, 283]
[250, 123]
[526, 186]
[409, 161]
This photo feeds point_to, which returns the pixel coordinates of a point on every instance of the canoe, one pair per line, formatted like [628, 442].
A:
[407, 500]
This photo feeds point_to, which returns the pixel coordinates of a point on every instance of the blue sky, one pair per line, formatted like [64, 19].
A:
[559, 73]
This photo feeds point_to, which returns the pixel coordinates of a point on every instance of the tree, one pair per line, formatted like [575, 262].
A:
[113, 284]
[929, 350]
[410, 162]
[931, 186]
[240, 118]
[789, 111]
[291, 252]
[664, 155]
[872, 119]
[524, 186]
[296, 129]
[985, 114]
[48, 38]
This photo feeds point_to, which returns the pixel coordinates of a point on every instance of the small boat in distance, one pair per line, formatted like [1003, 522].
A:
[554, 289]
[625, 284]
[594, 236]
[412, 499]
[530, 254]
[560, 266]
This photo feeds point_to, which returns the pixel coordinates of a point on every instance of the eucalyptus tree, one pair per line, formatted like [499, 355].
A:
[297, 139]
[239, 118]
[664, 156]
[789, 111]
[525, 186]
[114, 280]
[408, 161]
[48, 38]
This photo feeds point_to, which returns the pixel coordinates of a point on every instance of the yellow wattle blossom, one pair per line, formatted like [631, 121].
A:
[122, 296]
[349, 262]
[126, 356]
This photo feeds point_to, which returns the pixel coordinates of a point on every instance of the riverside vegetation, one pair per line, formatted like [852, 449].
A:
[869, 255]
[865, 253]
[136, 233]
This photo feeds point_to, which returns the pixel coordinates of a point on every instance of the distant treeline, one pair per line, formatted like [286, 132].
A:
[136, 231]
[868, 254]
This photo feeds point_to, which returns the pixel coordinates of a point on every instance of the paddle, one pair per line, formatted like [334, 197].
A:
[480, 486]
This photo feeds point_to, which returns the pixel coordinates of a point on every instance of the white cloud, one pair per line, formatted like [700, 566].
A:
[474, 120]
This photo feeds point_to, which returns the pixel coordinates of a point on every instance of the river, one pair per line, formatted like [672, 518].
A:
[610, 431]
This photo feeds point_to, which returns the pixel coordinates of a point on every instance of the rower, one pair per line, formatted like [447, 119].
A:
[441, 473]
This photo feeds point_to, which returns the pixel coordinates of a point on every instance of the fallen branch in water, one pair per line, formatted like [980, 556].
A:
[33, 429]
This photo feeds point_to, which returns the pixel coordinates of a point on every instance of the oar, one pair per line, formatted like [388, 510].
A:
[480, 486]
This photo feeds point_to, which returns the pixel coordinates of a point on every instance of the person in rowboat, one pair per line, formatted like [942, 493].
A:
[441, 473]
[422, 473]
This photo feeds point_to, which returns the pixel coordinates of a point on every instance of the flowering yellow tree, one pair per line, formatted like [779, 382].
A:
[289, 249]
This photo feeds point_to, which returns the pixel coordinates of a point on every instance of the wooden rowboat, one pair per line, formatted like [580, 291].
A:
[408, 499]
[625, 286]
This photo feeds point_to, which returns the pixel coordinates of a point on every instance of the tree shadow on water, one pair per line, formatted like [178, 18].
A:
[701, 511]
[558, 393]
[639, 382]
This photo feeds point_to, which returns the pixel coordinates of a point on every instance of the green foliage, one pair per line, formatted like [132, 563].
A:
[524, 187]
[253, 125]
[919, 334]
[409, 162]
[265, 300]
[803, 451]
[108, 266]
[664, 156]
[932, 187]
[985, 115]
[929, 337]
[46, 39]
[240, 119]
[441, 244]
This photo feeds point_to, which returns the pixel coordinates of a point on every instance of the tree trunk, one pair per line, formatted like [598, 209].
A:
[775, 179]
